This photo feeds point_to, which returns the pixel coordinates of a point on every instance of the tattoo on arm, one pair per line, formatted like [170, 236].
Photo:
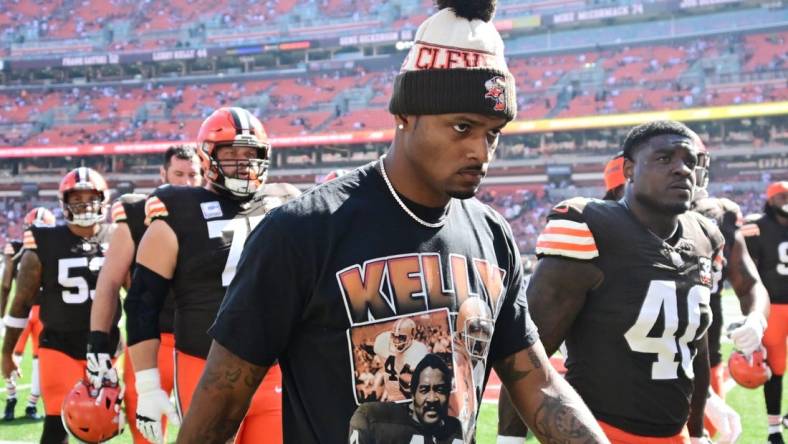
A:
[511, 372]
[222, 397]
[556, 421]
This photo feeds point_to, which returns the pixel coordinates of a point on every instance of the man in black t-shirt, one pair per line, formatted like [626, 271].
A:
[323, 276]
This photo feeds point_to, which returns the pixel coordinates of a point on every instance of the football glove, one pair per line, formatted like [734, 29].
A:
[747, 337]
[723, 418]
[152, 404]
[99, 361]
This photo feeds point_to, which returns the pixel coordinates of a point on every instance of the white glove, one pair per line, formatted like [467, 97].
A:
[723, 418]
[99, 369]
[152, 403]
[701, 440]
[747, 337]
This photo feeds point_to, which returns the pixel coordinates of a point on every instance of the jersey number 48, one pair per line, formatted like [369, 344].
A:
[661, 297]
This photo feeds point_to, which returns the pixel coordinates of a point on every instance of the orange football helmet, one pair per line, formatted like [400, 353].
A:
[84, 214]
[234, 127]
[93, 416]
[750, 372]
[40, 217]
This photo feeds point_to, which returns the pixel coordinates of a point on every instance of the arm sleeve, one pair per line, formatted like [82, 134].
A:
[567, 234]
[514, 329]
[265, 300]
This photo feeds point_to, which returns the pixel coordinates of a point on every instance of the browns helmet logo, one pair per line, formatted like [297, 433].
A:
[496, 90]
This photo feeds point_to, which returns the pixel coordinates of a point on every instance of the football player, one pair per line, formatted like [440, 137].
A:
[399, 237]
[13, 251]
[641, 277]
[181, 168]
[400, 352]
[192, 245]
[767, 242]
[63, 261]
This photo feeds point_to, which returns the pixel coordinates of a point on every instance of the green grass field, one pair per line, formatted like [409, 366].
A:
[749, 404]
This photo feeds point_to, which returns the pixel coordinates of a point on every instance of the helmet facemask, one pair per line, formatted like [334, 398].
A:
[84, 214]
[478, 333]
[241, 178]
[702, 170]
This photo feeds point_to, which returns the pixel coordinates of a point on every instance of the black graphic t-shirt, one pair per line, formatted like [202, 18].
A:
[350, 294]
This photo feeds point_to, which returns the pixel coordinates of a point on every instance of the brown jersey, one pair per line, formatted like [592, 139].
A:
[211, 230]
[70, 265]
[767, 241]
[631, 347]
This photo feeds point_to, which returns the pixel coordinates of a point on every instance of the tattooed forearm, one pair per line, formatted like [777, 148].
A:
[221, 398]
[557, 420]
[548, 404]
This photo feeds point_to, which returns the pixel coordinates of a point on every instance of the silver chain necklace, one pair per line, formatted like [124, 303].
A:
[404, 207]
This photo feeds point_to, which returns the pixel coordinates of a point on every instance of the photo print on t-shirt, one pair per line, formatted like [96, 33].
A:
[385, 353]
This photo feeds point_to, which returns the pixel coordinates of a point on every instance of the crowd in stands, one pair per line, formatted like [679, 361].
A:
[652, 77]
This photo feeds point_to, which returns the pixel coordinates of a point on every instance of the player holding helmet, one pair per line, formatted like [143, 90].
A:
[64, 262]
[192, 245]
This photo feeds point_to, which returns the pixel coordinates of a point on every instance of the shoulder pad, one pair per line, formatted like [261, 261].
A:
[750, 230]
[118, 213]
[567, 233]
[710, 228]
[276, 194]
[732, 210]
[570, 209]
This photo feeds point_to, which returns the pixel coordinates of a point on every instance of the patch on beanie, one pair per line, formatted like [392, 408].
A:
[496, 90]
[470, 9]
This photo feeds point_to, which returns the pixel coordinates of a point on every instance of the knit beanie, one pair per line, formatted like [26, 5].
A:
[456, 65]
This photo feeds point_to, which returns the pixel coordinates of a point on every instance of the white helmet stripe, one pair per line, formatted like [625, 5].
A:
[82, 174]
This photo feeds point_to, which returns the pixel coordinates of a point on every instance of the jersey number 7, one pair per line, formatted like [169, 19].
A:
[239, 229]
[661, 297]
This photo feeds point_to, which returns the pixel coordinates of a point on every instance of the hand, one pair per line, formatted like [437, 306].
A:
[99, 370]
[152, 404]
[724, 419]
[747, 337]
[10, 366]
